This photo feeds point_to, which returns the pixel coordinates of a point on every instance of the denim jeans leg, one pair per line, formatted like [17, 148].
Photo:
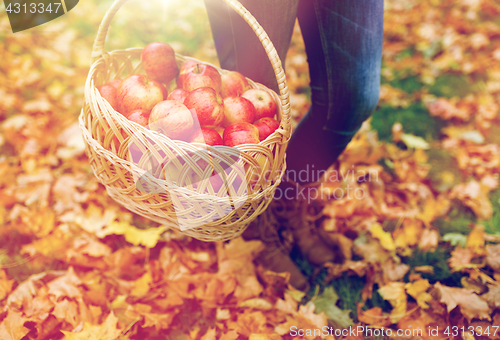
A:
[343, 41]
[352, 35]
[239, 49]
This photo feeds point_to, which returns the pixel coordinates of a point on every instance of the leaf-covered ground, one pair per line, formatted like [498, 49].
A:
[420, 239]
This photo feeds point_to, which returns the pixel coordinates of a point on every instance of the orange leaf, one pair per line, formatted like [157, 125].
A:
[5, 285]
[12, 327]
[471, 305]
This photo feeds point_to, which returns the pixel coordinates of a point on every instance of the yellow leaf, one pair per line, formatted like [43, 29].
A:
[54, 244]
[141, 285]
[106, 331]
[255, 336]
[395, 293]
[417, 287]
[145, 237]
[400, 242]
[435, 208]
[475, 240]
[384, 237]
[423, 299]
[297, 295]
[256, 303]
[119, 302]
[418, 290]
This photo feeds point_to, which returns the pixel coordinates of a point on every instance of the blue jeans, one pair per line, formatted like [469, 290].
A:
[343, 40]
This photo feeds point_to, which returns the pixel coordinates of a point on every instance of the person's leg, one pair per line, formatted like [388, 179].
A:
[239, 49]
[343, 40]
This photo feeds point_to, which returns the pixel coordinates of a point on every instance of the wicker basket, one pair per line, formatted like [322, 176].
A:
[192, 203]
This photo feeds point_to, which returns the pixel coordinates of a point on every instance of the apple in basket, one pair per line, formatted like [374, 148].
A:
[136, 92]
[212, 138]
[178, 94]
[188, 64]
[172, 118]
[158, 60]
[141, 117]
[115, 83]
[108, 92]
[238, 109]
[263, 102]
[208, 106]
[201, 75]
[206, 136]
[241, 133]
[266, 126]
[233, 84]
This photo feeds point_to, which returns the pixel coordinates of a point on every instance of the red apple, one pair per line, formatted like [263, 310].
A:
[241, 133]
[233, 84]
[108, 92]
[208, 106]
[115, 83]
[136, 92]
[178, 94]
[172, 118]
[141, 117]
[206, 136]
[185, 68]
[158, 60]
[201, 75]
[266, 126]
[263, 102]
[238, 109]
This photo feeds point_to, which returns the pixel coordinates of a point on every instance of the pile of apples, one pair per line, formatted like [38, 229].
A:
[205, 107]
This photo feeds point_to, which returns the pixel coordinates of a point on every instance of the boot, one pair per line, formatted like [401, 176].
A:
[275, 256]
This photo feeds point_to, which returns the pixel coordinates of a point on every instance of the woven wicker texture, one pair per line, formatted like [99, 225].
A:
[168, 181]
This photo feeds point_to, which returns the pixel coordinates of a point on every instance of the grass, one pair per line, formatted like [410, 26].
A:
[492, 226]
[444, 173]
[458, 220]
[349, 290]
[450, 85]
[438, 260]
[414, 118]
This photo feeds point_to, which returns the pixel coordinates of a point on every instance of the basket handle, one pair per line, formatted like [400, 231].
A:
[98, 52]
